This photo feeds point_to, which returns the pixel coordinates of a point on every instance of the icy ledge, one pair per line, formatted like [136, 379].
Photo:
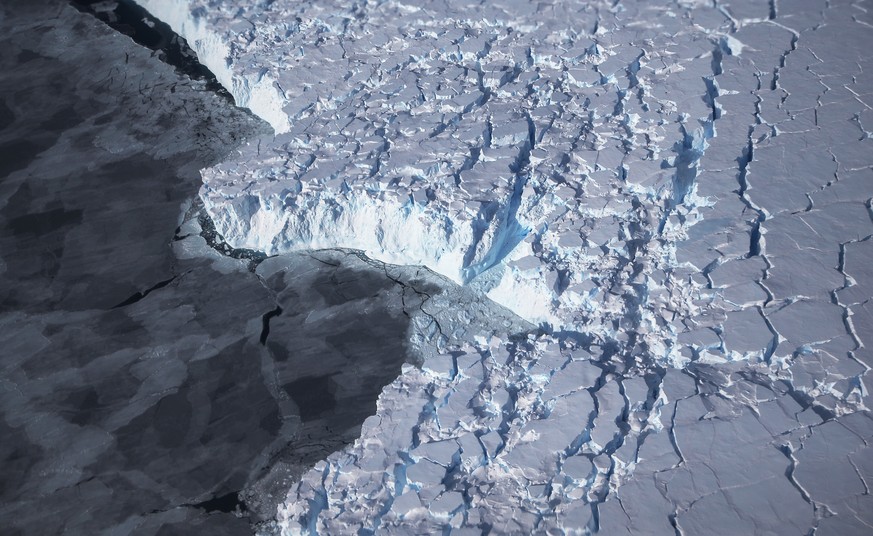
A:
[261, 96]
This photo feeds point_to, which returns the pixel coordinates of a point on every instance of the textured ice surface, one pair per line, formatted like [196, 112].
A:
[539, 151]
[684, 184]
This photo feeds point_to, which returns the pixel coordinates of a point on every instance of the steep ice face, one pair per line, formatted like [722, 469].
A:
[535, 160]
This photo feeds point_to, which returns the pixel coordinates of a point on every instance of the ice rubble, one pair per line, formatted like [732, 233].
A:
[643, 180]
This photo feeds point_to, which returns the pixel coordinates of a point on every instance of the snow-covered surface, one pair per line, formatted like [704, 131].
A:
[679, 193]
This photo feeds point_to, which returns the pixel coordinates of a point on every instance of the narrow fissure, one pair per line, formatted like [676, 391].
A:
[140, 295]
[265, 331]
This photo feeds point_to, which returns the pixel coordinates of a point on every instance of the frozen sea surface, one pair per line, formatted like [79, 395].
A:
[148, 383]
